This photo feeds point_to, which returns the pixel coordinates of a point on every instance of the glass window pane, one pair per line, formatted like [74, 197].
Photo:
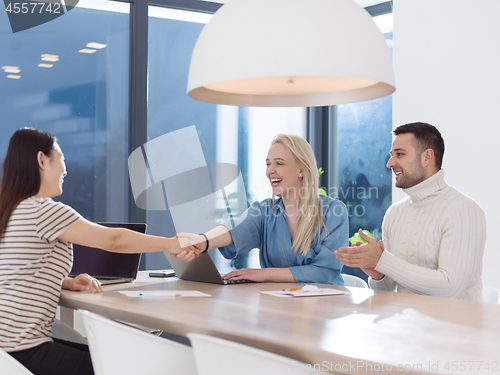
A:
[244, 136]
[363, 180]
[226, 134]
[82, 98]
[172, 36]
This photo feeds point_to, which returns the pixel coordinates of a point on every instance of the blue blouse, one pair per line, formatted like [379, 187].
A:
[265, 226]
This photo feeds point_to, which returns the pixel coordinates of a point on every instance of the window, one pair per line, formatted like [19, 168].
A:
[82, 98]
[244, 138]
[227, 134]
[363, 140]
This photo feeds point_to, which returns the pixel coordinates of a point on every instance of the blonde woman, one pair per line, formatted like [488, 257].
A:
[296, 231]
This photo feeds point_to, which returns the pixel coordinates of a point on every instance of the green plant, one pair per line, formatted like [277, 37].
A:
[357, 237]
[321, 191]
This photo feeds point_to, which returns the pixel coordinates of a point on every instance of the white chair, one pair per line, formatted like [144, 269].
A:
[10, 366]
[350, 280]
[491, 295]
[116, 348]
[62, 331]
[215, 356]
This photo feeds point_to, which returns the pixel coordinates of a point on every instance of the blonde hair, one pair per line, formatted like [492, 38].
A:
[309, 219]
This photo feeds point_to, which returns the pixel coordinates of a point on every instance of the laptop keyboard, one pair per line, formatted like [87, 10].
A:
[232, 281]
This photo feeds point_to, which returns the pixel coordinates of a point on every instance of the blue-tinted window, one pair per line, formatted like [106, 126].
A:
[82, 98]
[364, 183]
[227, 134]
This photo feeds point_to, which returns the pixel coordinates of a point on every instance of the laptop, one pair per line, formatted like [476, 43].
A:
[107, 267]
[201, 269]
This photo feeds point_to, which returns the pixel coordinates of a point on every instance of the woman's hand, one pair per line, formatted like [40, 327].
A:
[185, 256]
[277, 275]
[192, 246]
[192, 240]
[214, 238]
[82, 283]
[179, 247]
[252, 274]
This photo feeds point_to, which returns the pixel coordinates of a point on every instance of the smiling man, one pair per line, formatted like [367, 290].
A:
[433, 240]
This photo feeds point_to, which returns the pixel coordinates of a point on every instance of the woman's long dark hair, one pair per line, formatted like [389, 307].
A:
[21, 175]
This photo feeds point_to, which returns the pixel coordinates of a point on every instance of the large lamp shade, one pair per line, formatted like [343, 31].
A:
[290, 53]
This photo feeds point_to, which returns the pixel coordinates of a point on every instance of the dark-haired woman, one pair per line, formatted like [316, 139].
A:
[36, 253]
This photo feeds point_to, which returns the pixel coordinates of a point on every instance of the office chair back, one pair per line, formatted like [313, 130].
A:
[116, 348]
[215, 356]
[9, 365]
[491, 295]
[350, 280]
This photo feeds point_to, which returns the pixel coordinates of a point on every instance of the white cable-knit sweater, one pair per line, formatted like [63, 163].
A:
[434, 242]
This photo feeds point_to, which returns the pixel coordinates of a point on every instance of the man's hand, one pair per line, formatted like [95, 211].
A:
[82, 283]
[364, 256]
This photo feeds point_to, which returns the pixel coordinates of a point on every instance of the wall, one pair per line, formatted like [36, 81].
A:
[447, 66]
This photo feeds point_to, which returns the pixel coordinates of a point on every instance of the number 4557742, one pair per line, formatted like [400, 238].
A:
[460, 366]
[32, 7]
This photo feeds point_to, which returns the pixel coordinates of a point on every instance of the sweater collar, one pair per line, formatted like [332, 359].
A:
[427, 187]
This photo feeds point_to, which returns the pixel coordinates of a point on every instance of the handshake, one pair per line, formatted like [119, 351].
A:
[189, 246]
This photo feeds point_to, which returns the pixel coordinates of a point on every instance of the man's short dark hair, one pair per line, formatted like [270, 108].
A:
[427, 136]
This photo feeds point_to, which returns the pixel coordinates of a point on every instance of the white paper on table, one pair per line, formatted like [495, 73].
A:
[300, 293]
[163, 293]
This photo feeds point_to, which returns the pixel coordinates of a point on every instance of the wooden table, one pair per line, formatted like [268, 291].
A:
[364, 332]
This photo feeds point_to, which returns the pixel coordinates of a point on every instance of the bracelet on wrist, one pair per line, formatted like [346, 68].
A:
[208, 242]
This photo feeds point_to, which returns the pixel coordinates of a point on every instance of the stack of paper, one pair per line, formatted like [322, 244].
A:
[306, 291]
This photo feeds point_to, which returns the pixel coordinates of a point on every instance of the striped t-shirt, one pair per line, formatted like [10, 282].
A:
[33, 265]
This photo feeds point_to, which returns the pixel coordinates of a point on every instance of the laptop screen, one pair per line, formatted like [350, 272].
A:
[101, 263]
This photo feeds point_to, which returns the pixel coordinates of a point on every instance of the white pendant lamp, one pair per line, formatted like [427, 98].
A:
[290, 53]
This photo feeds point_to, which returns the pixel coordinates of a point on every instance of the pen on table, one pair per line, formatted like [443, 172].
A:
[291, 290]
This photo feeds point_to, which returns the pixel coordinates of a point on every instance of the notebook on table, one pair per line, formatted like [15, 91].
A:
[107, 267]
[201, 269]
